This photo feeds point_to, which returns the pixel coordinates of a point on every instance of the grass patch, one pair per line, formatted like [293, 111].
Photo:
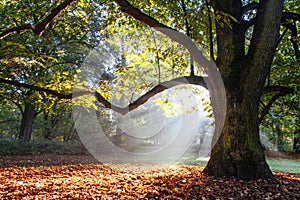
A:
[284, 165]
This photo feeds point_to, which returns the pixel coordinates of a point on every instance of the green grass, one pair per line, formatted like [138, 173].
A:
[192, 160]
[285, 165]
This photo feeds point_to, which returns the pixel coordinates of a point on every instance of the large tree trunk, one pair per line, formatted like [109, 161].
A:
[27, 122]
[238, 151]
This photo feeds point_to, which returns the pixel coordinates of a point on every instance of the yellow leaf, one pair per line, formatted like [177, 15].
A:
[65, 73]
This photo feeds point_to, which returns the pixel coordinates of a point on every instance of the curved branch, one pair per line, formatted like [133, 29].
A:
[18, 29]
[175, 35]
[214, 81]
[278, 88]
[294, 32]
[282, 91]
[38, 28]
[126, 7]
[36, 88]
[194, 80]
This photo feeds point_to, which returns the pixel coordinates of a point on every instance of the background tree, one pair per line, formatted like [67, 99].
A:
[48, 56]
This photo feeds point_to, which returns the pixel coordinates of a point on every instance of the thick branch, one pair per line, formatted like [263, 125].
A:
[282, 91]
[196, 54]
[126, 7]
[214, 81]
[38, 28]
[194, 80]
[278, 88]
[264, 42]
[290, 15]
[36, 88]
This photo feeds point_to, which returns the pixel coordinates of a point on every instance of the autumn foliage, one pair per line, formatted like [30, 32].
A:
[82, 177]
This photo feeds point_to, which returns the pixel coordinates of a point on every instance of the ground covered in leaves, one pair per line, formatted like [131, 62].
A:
[82, 177]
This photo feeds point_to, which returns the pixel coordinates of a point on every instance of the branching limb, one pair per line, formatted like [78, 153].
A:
[173, 34]
[38, 28]
[214, 81]
[194, 80]
[126, 7]
[290, 15]
[282, 91]
[36, 88]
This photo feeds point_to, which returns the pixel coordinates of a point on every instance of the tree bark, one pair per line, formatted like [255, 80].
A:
[27, 122]
[239, 152]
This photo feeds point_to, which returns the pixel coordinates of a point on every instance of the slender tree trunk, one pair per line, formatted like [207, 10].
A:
[27, 122]
[47, 130]
[118, 140]
[279, 134]
[296, 142]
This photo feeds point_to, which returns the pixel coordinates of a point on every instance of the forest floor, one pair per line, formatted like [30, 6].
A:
[83, 177]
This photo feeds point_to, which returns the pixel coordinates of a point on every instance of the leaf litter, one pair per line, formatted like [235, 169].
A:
[83, 177]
